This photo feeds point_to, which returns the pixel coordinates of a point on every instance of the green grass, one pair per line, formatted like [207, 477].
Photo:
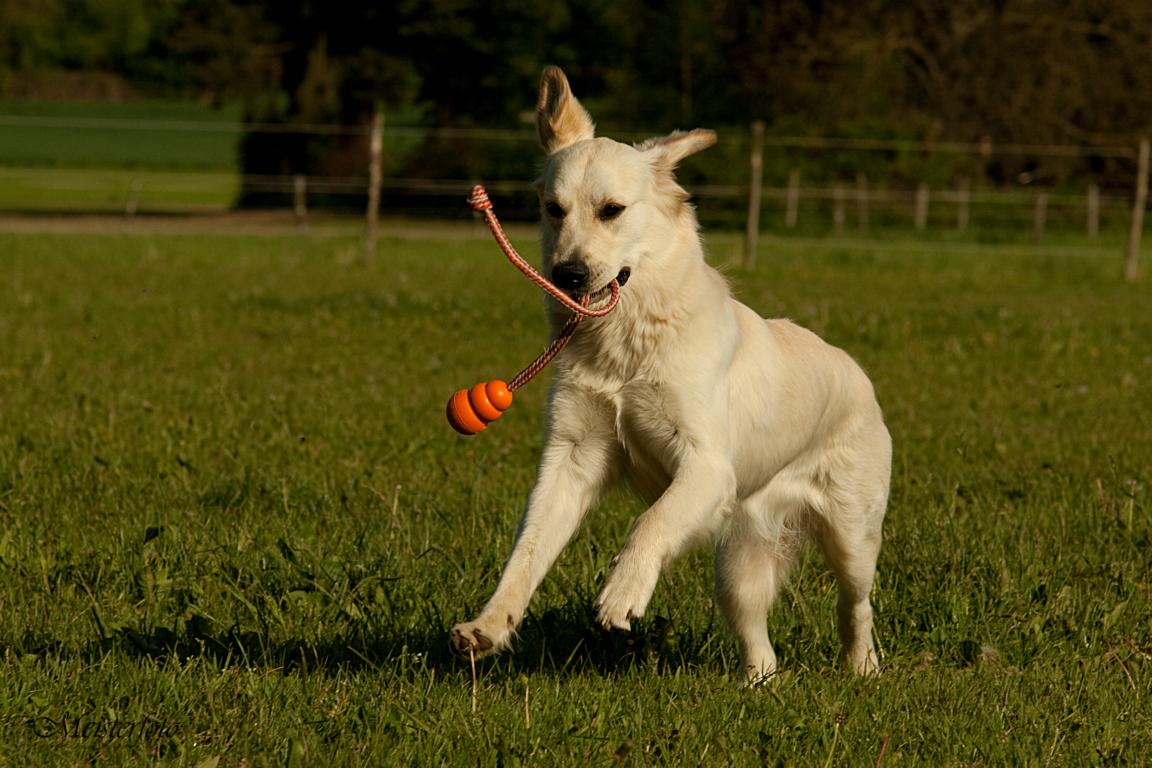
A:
[235, 529]
[68, 157]
[118, 135]
[106, 190]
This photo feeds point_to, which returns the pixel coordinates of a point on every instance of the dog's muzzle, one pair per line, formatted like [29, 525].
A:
[572, 278]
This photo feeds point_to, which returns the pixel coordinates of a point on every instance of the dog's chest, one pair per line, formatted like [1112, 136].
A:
[646, 428]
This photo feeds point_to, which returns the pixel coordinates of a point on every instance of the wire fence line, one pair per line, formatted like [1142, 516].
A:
[836, 198]
[986, 147]
[137, 189]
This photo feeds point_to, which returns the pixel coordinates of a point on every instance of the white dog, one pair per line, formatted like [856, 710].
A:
[754, 432]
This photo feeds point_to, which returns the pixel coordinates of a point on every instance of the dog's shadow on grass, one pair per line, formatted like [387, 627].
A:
[556, 642]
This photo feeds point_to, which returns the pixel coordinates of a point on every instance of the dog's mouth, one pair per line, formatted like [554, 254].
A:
[602, 293]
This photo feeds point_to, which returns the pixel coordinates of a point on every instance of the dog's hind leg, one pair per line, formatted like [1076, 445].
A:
[749, 574]
[850, 540]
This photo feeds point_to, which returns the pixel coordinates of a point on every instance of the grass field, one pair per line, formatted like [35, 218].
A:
[235, 529]
[110, 190]
[190, 136]
[168, 156]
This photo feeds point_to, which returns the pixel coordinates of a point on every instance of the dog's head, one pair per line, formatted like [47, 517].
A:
[605, 205]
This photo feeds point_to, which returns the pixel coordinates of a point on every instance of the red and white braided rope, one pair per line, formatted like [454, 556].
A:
[481, 204]
[546, 356]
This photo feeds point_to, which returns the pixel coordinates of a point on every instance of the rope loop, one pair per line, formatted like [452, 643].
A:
[479, 199]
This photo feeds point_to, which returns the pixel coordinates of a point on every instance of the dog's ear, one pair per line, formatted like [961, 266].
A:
[560, 118]
[667, 151]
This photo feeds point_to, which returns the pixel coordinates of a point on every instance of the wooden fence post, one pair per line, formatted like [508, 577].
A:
[375, 178]
[862, 200]
[755, 181]
[838, 197]
[1093, 209]
[963, 203]
[1040, 216]
[1132, 259]
[792, 211]
[132, 203]
[922, 207]
[300, 200]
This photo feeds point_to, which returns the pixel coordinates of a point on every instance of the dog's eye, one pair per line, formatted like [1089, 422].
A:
[610, 211]
[554, 210]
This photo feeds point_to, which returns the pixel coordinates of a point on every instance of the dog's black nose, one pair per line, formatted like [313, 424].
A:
[570, 276]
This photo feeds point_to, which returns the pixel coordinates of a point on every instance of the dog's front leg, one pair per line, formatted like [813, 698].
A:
[573, 470]
[702, 492]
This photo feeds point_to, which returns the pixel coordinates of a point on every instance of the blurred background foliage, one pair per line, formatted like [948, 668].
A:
[1009, 71]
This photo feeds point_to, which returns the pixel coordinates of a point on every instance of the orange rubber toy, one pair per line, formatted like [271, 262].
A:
[471, 411]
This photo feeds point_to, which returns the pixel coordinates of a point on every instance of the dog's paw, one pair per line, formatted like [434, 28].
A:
[759, 673]
[862, 659]
[475, 638]
[625, 597]
[611, 617]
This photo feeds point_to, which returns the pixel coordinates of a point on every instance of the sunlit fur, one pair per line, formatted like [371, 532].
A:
[752, 433]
